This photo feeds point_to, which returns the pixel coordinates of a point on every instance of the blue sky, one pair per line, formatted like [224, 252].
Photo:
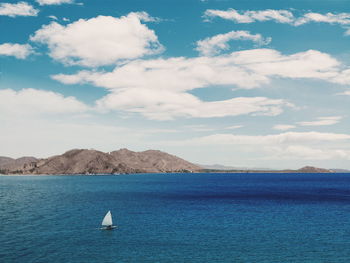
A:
[241, 83]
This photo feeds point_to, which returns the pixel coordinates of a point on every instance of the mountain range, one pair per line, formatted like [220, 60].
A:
[83, 161]
[123, 161]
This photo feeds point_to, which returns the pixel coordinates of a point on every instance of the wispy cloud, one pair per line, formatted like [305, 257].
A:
[234, 127]
[346, 93]
[279, 16]
[214, 45]
[330, 18]
[54, 2]
[18, 9]
[287, 145]
[322, 121]
[283, 127]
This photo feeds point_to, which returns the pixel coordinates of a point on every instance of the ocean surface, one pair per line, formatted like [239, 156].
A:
[176, 218]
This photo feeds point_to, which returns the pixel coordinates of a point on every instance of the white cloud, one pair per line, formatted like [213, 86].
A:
[322, 121]
[342, 18]
[159, 88]
[234, 127]
[98, 41]
[274, 139]
[214, 45]
[244, 69]
[17, 50]
[165, 105]
[18, 9]
[309, 64]
[347, 32]
[283, 146]
[53, 17]
[54, 2]
[309, 153]
[280, 16]
[346, 93]
[283, 127]
[37, 102]
[343, 77]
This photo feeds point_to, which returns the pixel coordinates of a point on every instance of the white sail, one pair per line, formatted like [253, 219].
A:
[107, 220]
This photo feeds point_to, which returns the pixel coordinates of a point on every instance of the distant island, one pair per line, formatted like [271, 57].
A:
[123, 161]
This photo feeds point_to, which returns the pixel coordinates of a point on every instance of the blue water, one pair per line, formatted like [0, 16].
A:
[176, 218]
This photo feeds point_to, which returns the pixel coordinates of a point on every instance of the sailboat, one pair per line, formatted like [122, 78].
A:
[107, 222]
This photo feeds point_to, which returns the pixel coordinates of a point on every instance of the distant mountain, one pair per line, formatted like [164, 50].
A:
[82, 161]
[340, 170]
[310, 169]
[229, 168]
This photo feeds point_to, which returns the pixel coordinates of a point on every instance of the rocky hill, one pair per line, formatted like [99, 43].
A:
[82, 161]
[9, 164]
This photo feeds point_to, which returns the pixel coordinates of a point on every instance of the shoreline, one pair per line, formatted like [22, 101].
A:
[195, 173]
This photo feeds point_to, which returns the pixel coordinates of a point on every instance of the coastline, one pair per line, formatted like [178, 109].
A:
[193, 173]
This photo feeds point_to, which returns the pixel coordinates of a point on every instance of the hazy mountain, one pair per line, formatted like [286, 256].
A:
[340, 170]
[310, 169]
[229, 168]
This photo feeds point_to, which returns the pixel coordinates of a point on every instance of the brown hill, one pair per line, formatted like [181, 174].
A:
[81, 161]
[9, 164]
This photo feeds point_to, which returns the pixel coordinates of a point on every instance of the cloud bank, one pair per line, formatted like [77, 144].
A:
[160, 88]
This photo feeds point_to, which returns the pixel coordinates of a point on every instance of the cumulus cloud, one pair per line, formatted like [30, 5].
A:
[322, 121]
[99, 41]
[18, 9]
[214, 45]
[37, 102]
[16, 50]
[54, 2]
[283, 127]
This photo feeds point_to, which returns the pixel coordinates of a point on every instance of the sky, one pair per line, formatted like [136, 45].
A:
[244, 83]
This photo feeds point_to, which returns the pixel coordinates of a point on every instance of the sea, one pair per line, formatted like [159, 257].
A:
[176, 218]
